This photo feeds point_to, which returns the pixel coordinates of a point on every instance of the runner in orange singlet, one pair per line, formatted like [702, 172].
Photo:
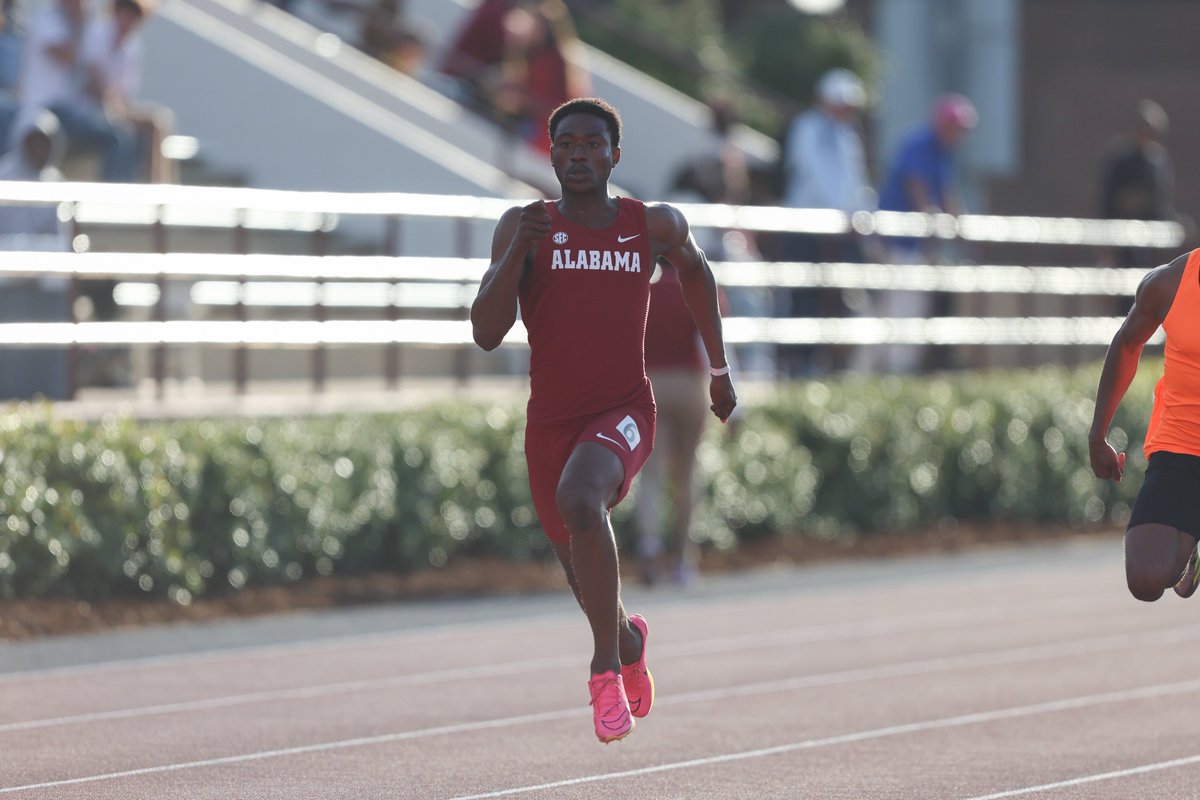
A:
[579, 269]
[1164, 526]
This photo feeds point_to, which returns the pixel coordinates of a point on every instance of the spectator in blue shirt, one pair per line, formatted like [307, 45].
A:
[922, 178]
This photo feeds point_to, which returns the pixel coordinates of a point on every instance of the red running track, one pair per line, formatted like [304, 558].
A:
[1025, 674]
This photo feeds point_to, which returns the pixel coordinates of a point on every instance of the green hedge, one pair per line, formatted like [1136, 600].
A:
[186, 508]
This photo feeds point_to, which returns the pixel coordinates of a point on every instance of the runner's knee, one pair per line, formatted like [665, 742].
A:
[1143, 589]
[582, 513]
[1146, 580]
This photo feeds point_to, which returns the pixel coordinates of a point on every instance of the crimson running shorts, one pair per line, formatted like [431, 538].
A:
[628, 431]
[1169, 493]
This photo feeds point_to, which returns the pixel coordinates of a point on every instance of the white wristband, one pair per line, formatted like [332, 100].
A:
[716, 372]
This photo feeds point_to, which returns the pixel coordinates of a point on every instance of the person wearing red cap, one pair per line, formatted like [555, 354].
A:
[922, 178]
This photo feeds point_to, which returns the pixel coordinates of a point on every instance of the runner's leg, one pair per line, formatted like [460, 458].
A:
[631, 640]
[590, 481]
[1155, 557]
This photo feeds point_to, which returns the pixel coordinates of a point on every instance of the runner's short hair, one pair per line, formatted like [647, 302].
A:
[596, 108]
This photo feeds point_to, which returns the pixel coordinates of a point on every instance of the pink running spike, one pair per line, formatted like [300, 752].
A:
[610, 709]
[639, 684]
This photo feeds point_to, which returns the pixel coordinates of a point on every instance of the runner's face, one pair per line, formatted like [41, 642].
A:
[582, 153]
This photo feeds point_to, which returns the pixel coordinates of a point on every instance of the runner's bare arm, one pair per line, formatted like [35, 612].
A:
[1153, 300]
[672, 239]
[495, 307]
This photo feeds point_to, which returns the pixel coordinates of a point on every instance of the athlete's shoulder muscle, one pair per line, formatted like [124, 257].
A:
[667, 225]
[1157, 290]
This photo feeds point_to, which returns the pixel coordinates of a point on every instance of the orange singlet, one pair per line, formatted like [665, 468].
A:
[1175, 420]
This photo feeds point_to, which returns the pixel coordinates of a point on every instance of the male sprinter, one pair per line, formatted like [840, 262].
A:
[579, 267]
[1160, 541]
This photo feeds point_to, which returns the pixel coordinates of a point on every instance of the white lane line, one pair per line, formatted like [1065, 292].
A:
[339, 644]
[466, 629]
[332, 644]
[773, 687]
[323, 747]
[1101, 776]
[301, 693]
[1016, 655]
[998, 715]
[820, 633]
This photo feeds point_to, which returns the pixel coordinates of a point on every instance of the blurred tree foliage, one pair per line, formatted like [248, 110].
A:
[187, 508]
[766, 58]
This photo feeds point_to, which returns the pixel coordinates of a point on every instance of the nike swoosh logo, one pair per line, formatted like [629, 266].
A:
[609, 439]
[623, 239]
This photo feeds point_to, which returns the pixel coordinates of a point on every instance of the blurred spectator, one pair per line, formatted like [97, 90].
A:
[54, 76]
[823, 158]
[112, 58]
[37, 145]
[719, 173]
[678, 371]
[516, 61]
[475, 55]
[10, 70]
[1138, 176]
[387, 36]
[407, 50]
[35, 149]
[824, 167]
[542, 68]
[923, 179]
[1138, 183]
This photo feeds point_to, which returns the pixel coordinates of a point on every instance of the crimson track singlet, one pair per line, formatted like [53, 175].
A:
[584, 306]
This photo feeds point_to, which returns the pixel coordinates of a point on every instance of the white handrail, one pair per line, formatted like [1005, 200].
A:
[989, 278]
[457, 333]
[173, 204]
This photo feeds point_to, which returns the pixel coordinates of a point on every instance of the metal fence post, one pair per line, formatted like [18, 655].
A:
[241, 247]
[320, 247]
[160, 308]
[73, 293]
[462, 358]
[391, 353]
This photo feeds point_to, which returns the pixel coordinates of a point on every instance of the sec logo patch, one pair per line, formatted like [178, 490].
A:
[560, 237]
[629, 429]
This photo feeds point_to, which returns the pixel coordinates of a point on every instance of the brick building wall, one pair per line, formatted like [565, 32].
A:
[1084, 66]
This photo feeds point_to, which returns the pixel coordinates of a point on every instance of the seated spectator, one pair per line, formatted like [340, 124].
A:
[474, 57]
[543, 68]
[52, 76]
[36, 147]
[387, 36]
[34, 152]
[112, 57]
[10, 70]
[516, 61]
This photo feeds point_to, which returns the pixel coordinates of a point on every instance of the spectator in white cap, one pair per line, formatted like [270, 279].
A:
[823, 152]
[824, 167]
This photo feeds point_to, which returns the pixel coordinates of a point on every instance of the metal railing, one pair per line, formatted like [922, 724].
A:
[242, 281]
[232, 208]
